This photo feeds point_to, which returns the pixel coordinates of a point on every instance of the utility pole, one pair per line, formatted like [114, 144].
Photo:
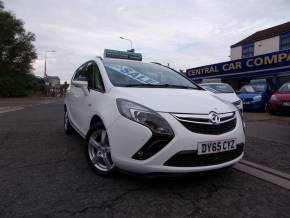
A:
[132, 49]
[45, 54]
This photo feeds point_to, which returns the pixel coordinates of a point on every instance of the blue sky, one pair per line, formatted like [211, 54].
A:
[184, 33]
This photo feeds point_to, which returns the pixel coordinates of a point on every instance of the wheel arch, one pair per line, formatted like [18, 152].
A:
[95, 119]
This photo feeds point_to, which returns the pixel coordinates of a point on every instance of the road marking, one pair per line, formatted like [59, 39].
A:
[10, 109]
[6, 109]
[267, 174]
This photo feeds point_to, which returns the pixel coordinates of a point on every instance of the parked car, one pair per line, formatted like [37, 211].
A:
[280, 100]
[255, 96]
[146, 118]
[225, 92]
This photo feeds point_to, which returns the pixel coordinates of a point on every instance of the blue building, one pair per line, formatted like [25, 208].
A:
[262, 55]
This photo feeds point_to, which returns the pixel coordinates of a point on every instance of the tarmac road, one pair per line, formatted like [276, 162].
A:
[268, 140]
[43, 173]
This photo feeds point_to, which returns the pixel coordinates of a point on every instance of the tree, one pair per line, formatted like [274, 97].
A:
[17, 54]
[16, 49]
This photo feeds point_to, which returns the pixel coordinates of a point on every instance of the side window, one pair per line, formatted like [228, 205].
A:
[77, 73]
[89, 72]
[98, 79]
[81, 74]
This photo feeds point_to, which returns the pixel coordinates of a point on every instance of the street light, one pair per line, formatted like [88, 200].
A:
[132, 49]
[45, 75]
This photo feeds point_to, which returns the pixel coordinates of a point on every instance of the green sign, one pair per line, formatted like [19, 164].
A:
[110, 53]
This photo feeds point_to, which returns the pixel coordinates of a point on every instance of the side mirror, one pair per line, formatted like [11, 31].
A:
[83, 85]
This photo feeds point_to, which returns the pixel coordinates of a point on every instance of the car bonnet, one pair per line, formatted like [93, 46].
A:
[174, 100]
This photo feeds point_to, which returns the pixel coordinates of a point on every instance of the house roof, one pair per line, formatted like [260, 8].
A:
[264, 34]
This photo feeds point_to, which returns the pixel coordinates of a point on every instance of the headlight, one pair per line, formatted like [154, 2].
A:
[162, 133]
[145, 116]
[257, 98]
[238, 103]
[274, 98]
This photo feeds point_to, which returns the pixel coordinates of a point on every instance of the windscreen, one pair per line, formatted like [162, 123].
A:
[285, 88]
[218, 88]
[253, 88]
[125, 73]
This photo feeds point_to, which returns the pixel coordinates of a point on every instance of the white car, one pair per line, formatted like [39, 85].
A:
[146, 118]
[225, 92]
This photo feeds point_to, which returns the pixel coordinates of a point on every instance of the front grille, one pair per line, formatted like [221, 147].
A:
[202, 125]
[192, 159]
[247, 99]
[283, 109]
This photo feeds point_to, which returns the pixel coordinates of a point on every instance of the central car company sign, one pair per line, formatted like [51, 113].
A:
[268, 63]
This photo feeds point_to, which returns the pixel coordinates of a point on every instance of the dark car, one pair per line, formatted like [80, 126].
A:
[280, 100]
[255, 96]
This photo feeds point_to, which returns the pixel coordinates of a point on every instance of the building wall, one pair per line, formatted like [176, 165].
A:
[54, 81]
[266, 46]
[260, 47]
[236, 53]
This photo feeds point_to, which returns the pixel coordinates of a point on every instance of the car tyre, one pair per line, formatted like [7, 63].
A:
[67, 125]
[272, 112]
[98, 151]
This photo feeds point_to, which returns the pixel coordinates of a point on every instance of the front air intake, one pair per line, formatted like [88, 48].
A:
[153, 146]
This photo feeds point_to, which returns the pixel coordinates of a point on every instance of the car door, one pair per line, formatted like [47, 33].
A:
[76, 96]
[95, 95]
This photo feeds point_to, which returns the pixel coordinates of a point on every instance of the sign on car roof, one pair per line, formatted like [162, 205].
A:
[110, 53]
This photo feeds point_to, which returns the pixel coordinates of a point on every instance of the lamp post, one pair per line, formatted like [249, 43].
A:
[132, 49]
[45, 53]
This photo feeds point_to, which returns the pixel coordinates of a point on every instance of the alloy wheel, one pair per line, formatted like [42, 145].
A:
[99, 151]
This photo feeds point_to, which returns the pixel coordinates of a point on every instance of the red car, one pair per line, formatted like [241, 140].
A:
[280, 100]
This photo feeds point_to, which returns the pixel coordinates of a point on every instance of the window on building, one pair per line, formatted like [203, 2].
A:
[285, 41]
[248, 50]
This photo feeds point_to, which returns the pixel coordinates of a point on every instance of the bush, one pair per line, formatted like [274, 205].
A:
[19, 85]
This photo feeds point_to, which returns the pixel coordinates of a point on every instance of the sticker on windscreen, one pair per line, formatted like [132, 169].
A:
[133, 74]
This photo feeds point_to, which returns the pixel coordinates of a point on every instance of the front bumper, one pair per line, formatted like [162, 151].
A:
[275, 106]
[253, 105]
[127, 137]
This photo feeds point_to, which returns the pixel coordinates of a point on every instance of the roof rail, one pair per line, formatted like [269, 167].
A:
[99, 57]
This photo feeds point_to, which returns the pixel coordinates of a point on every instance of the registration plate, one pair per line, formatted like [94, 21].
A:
[287, 104]
[216, 146]
[246, 102]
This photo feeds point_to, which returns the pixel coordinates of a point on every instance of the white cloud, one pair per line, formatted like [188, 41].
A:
[183, 33]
